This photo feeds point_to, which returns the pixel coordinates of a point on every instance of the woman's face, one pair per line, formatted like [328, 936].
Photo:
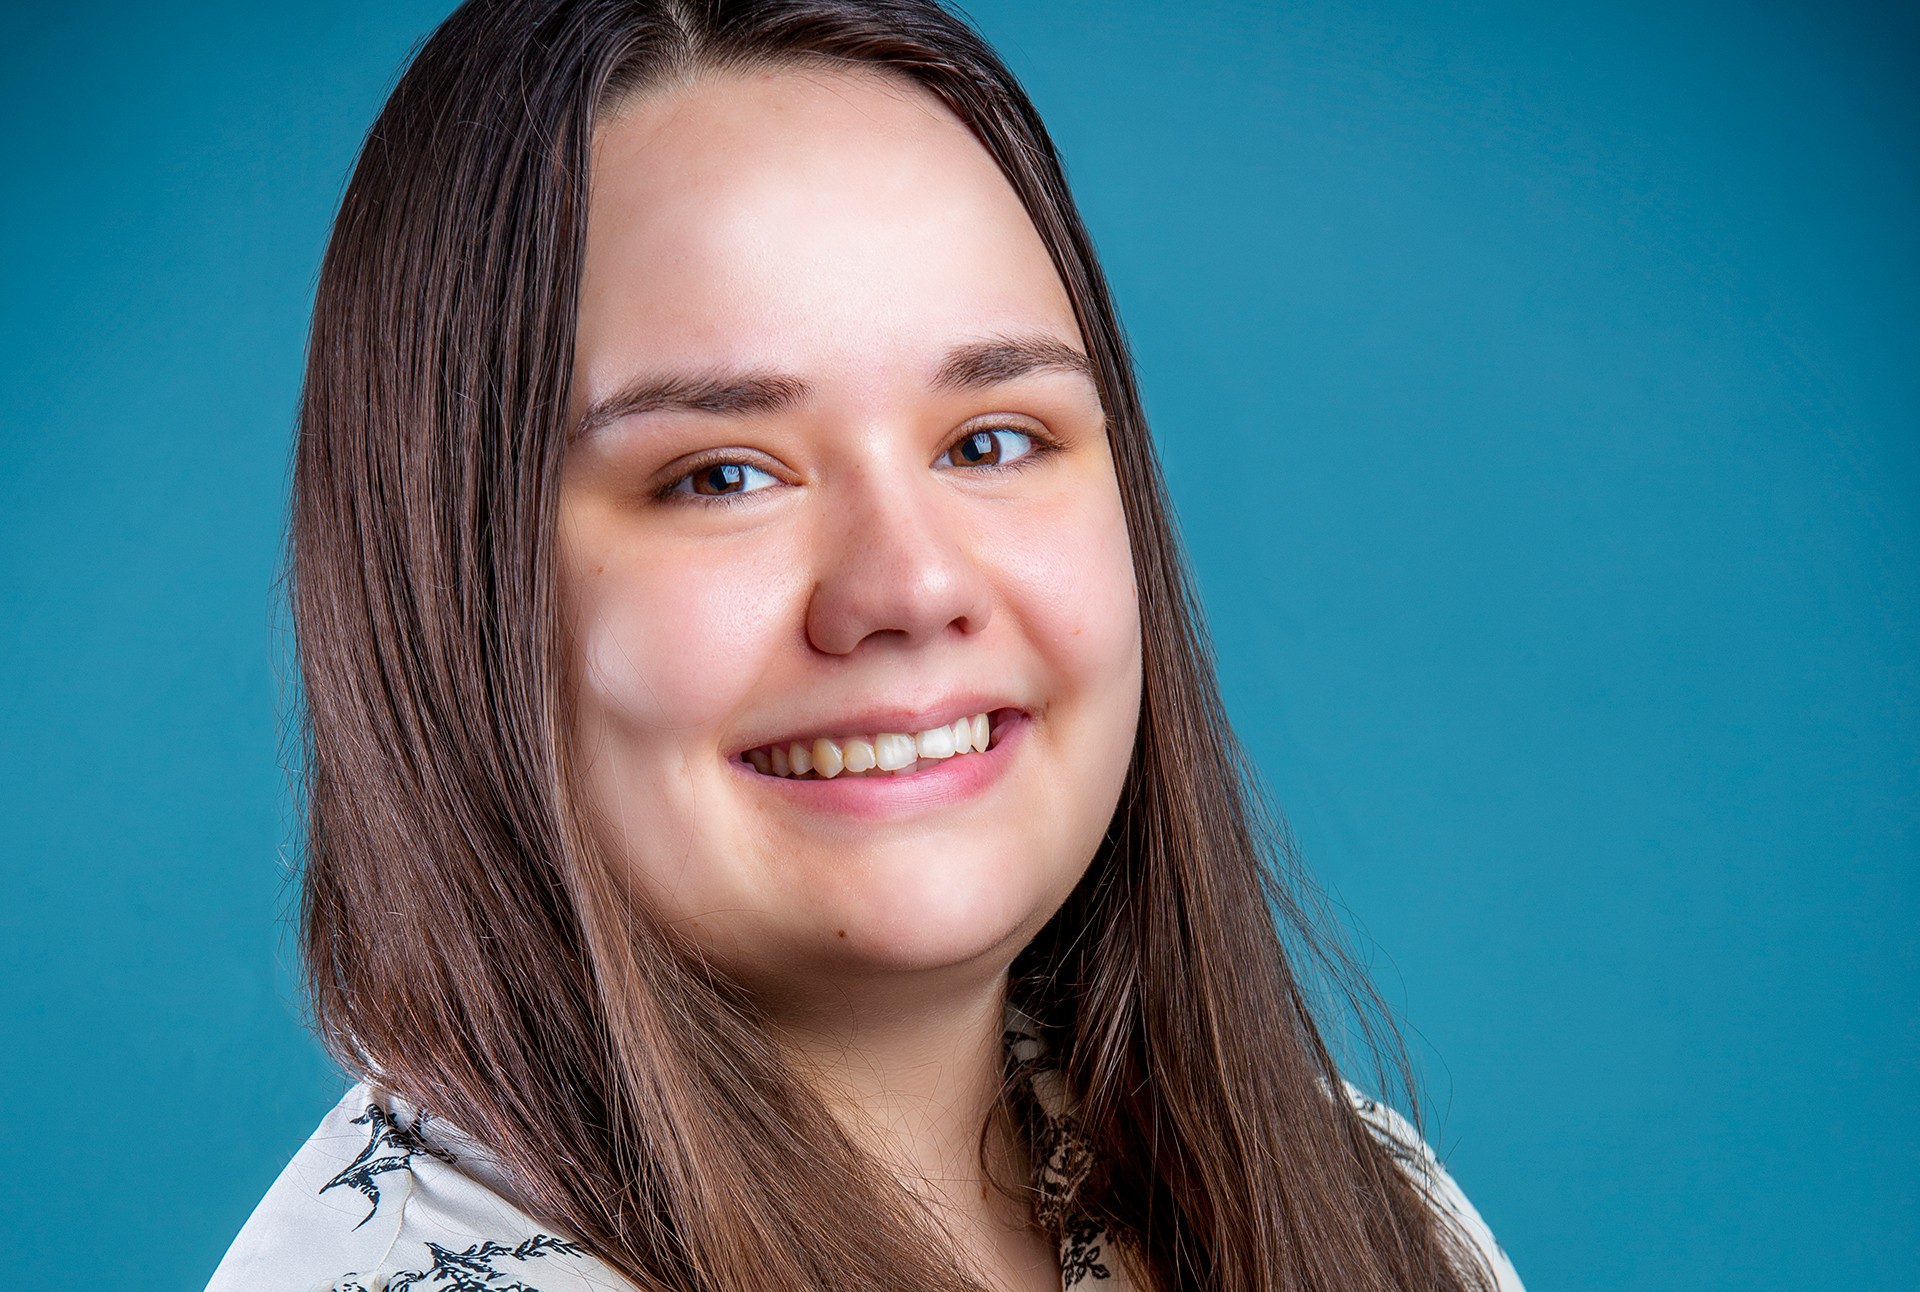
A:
[841, 486]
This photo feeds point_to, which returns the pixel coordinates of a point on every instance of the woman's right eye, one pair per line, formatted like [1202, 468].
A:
[721, 480]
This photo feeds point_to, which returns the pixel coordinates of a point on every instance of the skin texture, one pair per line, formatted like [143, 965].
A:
[835, 236]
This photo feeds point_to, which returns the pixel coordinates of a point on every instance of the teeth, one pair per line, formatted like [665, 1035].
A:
[889, 751]
[893, 751]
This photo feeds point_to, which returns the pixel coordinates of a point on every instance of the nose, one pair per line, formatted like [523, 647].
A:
[894, 563]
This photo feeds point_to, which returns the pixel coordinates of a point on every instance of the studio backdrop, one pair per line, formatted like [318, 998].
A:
[1537, 387]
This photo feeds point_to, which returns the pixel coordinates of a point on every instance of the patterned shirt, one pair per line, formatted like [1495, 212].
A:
[385, 1198]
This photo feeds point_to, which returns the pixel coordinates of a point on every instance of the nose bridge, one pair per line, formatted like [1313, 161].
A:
[892, 559]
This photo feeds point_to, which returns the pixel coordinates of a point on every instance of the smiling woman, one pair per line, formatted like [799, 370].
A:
[843, 483]
[772, 822]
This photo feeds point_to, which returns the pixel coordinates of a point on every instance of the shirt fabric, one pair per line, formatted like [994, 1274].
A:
[386, 1198]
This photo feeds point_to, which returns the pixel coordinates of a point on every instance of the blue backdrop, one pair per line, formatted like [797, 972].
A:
[1538, 387]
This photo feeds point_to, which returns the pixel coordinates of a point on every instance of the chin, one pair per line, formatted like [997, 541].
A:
[905, 918]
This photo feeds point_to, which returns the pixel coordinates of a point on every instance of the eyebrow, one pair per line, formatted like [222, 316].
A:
[973, 366]
[988, 363]
[740, 395]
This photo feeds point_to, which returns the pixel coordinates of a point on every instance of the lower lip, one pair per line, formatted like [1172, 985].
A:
[880, 796]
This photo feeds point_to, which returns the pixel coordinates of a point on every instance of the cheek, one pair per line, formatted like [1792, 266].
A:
[669, 643]
[1072, 573]
[673, 644]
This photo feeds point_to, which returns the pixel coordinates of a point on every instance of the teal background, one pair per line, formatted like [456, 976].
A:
[1537, 384]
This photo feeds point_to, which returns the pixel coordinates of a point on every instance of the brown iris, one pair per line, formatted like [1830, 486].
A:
[720, 478]
[980, 449]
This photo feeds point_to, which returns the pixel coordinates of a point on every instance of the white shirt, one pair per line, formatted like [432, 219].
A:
[384, 1199]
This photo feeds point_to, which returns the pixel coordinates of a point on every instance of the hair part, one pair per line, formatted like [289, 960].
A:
[465, 943]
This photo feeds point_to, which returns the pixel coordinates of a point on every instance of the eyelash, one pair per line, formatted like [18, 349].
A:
[1038, 446]
[671, 493]
[1041, 446]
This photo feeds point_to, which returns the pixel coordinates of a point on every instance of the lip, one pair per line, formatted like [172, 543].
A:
[896, 718]
[868, 797]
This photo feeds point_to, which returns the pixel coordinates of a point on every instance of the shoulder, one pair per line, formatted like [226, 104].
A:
[382, 1199]
[1406, 1146]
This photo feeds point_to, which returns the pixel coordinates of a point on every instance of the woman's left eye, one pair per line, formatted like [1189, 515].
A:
[994, 448]
[722, 479]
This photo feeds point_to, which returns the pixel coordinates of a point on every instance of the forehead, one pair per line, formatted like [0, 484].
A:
[801, 217]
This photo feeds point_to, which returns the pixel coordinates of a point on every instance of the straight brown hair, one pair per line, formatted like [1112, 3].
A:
[465, 944]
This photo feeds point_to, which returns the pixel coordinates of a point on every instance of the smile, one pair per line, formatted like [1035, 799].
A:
[890, 753]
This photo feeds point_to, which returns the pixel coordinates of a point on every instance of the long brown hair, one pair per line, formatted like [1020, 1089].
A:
[468, 948]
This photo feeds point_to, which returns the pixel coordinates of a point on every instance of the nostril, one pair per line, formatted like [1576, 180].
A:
[899, 582]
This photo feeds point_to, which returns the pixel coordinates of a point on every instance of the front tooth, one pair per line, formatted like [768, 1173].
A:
[800, 757]
[893, 751]
[859, 755]
[982, 732]
[934, 743]
[826, 758]
[781, 767]
[962, 735]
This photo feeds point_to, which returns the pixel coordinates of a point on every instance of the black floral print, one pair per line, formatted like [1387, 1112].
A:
[456, 1226]
[1081, 1248]
[1063, 1157]
[390, 1147]
[473, 1271]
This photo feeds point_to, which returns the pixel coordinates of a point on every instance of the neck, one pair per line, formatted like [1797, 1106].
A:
[914, 1080]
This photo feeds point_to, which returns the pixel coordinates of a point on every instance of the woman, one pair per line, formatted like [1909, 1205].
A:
[772, 820]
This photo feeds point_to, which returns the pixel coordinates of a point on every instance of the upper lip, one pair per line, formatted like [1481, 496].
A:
[875, 719]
